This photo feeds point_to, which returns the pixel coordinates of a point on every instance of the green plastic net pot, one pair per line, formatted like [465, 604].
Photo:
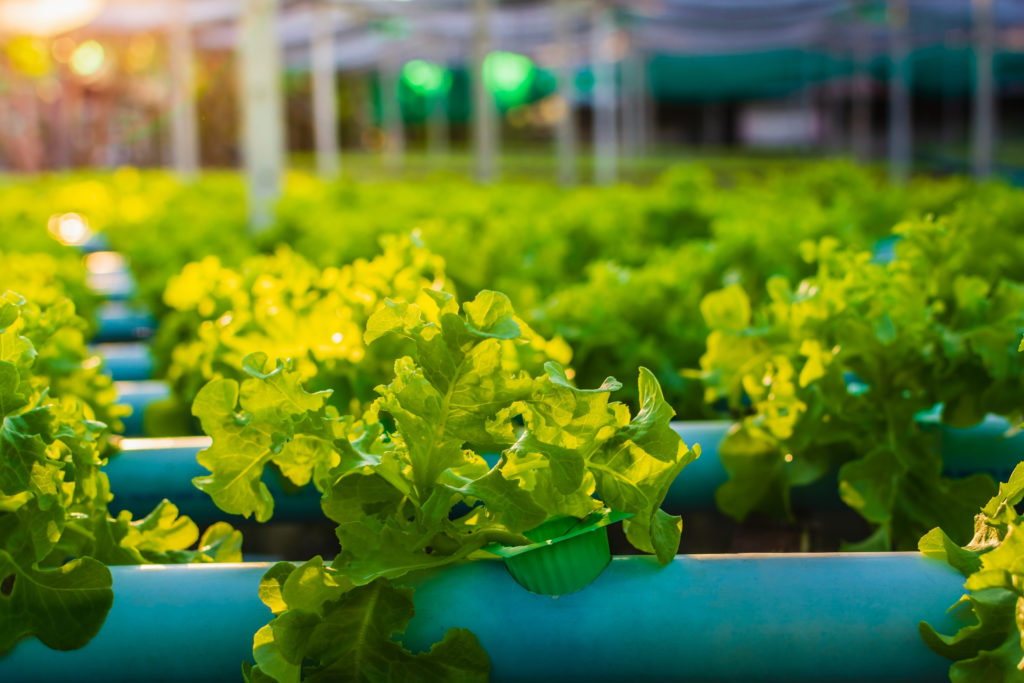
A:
[566, 556]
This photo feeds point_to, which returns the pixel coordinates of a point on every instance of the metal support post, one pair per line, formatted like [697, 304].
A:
[263, 141]
[184, 127]
[984, 118]
[325, 96]
[899, 92]
[484, 106]
[566, 124]
[603, 59]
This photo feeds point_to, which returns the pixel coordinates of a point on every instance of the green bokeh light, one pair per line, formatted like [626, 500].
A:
[509, 76]
[426, 78]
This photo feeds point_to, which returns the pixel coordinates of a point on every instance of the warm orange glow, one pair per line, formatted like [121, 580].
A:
[553, 109]
[70, 229]
[140, 53]
[105, 262]
[46, 17]
[63, 48]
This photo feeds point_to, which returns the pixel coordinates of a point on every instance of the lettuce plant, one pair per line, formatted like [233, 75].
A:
[56, 534]
[283, 305]
[63, 362]
[621, 317]
[44, 279]
[408, 485]
[559, 254]
[991, 648]
[286, 307]
[830, 374]
[58, 318]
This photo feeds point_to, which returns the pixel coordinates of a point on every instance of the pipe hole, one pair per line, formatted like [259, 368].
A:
[7, 586]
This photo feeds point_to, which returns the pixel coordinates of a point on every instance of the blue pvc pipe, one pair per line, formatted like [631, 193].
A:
[173, 623]
[118, 285]
[885, 249]
[992, 446]
[715, 617]
[138, 396]
[119, 322]
[718, 617]
[148, 470]
[706, 472]
[129, 361]
[95, 242]
[695, 488]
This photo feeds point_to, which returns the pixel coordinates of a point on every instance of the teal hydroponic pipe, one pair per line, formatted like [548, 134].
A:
[695, 488]
[148, 470]
[95, 242]
[993, 446]
[119, 322]
[138, 396]
[128, 361]
[718, 617]
[800, 617]
[112, 286]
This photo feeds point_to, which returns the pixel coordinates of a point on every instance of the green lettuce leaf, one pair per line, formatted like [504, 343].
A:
[64, 607]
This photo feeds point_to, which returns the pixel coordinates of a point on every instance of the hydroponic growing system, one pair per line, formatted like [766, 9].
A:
[290, 427]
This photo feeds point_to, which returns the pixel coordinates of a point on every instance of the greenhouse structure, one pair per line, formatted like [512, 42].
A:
[514, 340]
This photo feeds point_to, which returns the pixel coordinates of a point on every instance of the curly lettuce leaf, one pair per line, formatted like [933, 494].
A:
[253, 425]
[64, 607]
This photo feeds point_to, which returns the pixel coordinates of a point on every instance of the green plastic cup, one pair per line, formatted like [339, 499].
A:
[566, 556]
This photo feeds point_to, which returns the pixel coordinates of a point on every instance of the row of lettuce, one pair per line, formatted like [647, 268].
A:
[749, 297]
[405, 481]
[614, 272]
[57, 531]
[755, 297]
[407, 484]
